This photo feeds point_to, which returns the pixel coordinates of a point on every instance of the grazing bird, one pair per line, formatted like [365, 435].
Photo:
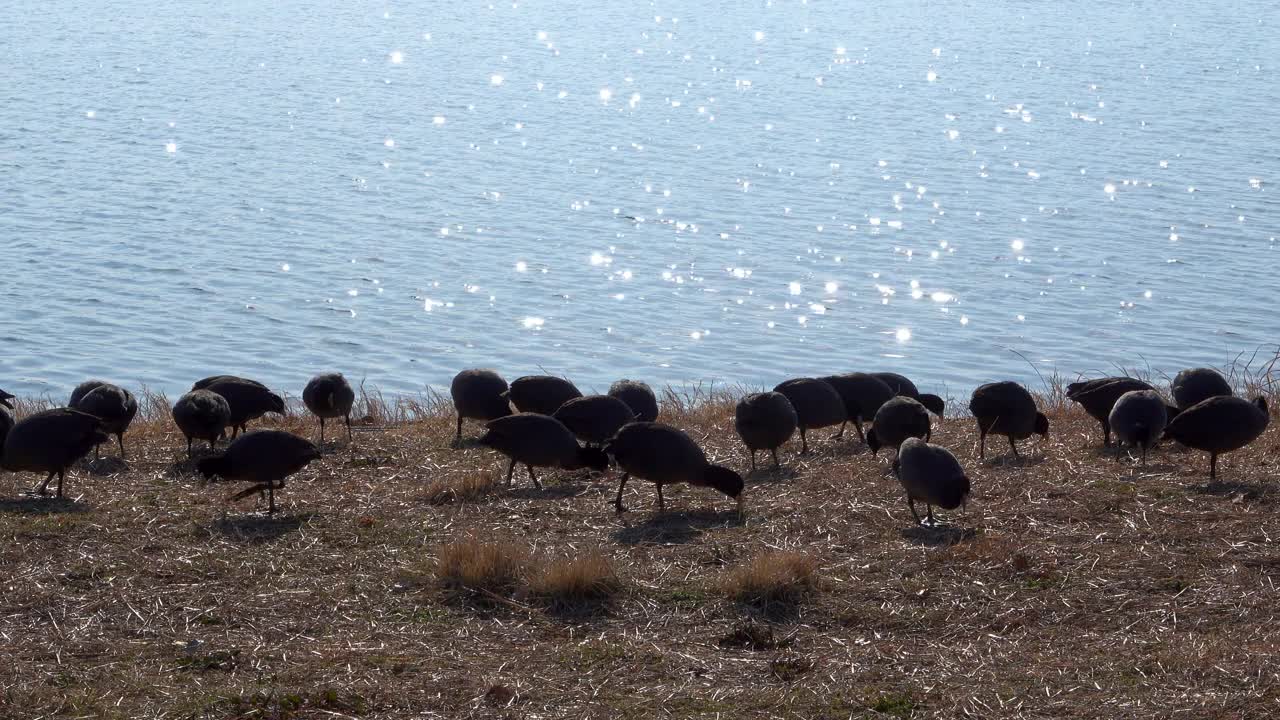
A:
[329, 396]
[1198, 384]
[862, 395]
[932, 475]
[541, 394]
[1006, 408]
[248, 399]
[817, 405]
[539, 441]
[593, 419]
[203, 384]
[112, 404]
[264, 458]
[479, 394]
[904, 387]
[51, 441]
[638, 396]
[203, 415]
[6, 420]
[664, 455]
[897, 420]
[765, 421]
[1219, 425]
[1098, 396]
[1139, 418]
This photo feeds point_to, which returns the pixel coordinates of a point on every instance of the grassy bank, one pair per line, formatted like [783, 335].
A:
[399, 581]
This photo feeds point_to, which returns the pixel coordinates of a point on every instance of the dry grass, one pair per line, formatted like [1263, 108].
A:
[1073, 587]
[772, 579]
[576, 582]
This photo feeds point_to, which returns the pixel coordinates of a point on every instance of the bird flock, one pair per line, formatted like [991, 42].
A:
[544, 421]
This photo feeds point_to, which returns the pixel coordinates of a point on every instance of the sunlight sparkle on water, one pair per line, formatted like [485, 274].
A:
[903, 334]
[522, 266]
[533, 323]
[606, 95]
[1017, 245]
[758, 36]
[437, 120]
[171, 147]
[496, 79]
[794, 288]
[396, 57]
[831, 287]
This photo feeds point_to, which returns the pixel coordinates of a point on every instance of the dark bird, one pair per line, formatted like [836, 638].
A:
[1006, 408]
[904, 387]
[817, 405]
[765, 421]
[664, 455]
[932, 475]
[249, 400]
[201, 414]
[6, 420]
[638, 396]
[50, 442]
[112, 404]
[1098, 396]
[329, 396]
[542, 394]
[479, 394]
[204, 383]
[593, 419]
[862, 395]
[1198, 384]
[5, 398]
[897, 420]
[1219, 425]
[539, 441]
[264, 458]
[1139, 418]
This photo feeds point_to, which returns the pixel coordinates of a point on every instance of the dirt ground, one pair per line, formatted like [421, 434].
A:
[1073, 585]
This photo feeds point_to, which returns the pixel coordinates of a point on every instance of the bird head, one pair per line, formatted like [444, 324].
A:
[276, 403]
[933, 403]
[1042, 425]
[873, 441]
[593, 458]
[211, 466]
[5, 398]
[723, 479]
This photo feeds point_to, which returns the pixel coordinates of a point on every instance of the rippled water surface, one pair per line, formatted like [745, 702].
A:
[675, 191]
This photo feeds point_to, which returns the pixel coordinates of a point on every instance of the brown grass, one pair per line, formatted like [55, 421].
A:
[772, 579]
[469, 487]
[1074, 586]
[582, 581]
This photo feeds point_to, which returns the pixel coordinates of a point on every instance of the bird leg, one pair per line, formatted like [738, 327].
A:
[982, 443]
[840, 434]
[618, 501]
[97, 452]
[1213, 467]
[857, 423]
[1144, 453]
[120, 439]
[928, 518]
[45, 485]
[777, 464]
[61, 473]
[1014, 445]
[322, 432]
[1106, 433]
[753, 460]
[533, 477]
[511, 469]
[911, 503]
[271, 499]
[348, 428]
[804, 443]
[457, 439]
[661, 504]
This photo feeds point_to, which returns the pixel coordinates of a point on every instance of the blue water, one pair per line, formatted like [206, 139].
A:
[401, 190]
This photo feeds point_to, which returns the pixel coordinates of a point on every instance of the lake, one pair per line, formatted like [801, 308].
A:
[680, 192]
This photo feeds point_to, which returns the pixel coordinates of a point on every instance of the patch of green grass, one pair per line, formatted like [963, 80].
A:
[686, 598]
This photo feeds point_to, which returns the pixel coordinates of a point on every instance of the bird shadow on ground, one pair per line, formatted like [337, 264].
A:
[558, 491]
[937, 536]
[1241, 491]
[107, 466]
[41, 505]
[673, 528]
[465, 443]
[772, 474]
[1010, 461]
[258, 528]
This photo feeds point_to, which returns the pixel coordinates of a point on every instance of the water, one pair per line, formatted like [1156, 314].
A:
[678, 191]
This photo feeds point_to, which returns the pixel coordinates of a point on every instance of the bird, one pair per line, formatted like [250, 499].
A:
[1219, 425]
[897, 420]
[1138, 418]
[541, 394]
[664, 455]
[765, 421]
[112, 404]
[6, 420]
[817, 405]
[1197, 384]
[329, 396]
[51, 441]
[1006, 408]
[479, 394]
[5, 398]
[638, 396]
[932, 475]
[862, 395]
[249, 400]
[904, 387]
[204, 383]
[593, 419]
[201, 414]
[1099, 395]
[539, 441]
[264, 458]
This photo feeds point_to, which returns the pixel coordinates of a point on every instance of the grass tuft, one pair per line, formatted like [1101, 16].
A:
[460, 488]
[585, 580]
[492, 569]
[772, 579]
